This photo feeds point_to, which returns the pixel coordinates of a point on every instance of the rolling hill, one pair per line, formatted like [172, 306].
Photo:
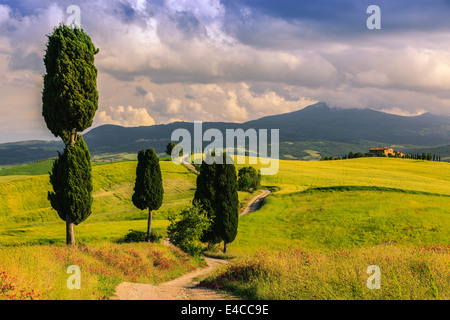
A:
[307, 134]
[313, 238]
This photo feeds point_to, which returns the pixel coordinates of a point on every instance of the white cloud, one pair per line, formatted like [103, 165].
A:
[4, 13]
[193, 64]
[125, 116]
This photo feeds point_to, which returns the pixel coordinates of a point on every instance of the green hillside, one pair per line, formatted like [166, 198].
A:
[32, 169]
[312, 239]
[417, 175]
[316, 237]
[26, 215]
[366, 201]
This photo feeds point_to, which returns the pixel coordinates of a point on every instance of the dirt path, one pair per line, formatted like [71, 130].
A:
[184, 287]
[255, 203]
[188, 164]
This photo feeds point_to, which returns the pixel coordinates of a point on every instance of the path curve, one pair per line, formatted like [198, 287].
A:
[182, 288]
[255, 203]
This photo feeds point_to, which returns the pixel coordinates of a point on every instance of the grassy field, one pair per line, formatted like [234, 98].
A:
[37, 168]
[331, 220]
[406, 174]
[315, 238]
[26, 216]
[312, 239]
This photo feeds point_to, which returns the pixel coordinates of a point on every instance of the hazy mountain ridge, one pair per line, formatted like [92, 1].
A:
[332, 129]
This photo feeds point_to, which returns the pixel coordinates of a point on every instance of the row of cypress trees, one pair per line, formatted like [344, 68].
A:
[217, 195]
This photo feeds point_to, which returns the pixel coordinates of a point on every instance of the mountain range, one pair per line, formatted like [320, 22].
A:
[310, 133]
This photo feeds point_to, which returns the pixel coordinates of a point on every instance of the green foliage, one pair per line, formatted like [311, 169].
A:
[170, 147]
[71, 178]
[204, 197]
[70, 96]
[141, 236]
[249, 179]
[186, 232]
[226, 202]
[26, 215]
[148, 189]
[217, 194]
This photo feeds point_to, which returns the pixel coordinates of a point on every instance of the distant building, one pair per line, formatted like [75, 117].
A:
[386, 151]
[399, 154]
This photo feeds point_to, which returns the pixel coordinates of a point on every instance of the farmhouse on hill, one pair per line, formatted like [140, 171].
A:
[386, 151]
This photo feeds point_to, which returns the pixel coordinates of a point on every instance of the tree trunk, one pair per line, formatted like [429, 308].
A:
[70, 235]
[73, 138]
[225, 247]
[149, 226]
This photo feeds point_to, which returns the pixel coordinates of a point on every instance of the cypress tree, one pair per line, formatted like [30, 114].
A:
[204, 197]
[69, 103]
[226, 203]
[170, 147]
[148, 189]
[71, 178]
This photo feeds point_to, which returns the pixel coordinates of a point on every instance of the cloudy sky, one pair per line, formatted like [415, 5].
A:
[232, 60]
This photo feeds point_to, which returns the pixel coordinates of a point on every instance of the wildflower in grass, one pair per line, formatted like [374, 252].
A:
[8, 289]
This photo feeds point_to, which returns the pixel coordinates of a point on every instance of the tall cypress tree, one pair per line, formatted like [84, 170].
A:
[226, 202]
[71, 178]
[204, 197]
[69, 103]
[148, 189]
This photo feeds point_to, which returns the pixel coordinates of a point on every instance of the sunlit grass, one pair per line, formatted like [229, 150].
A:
[26, 215]
[42, 270]
[405, 273]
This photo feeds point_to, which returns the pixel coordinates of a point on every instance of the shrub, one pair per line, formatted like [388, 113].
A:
[140, 236]
[249, 178]
[186, 232]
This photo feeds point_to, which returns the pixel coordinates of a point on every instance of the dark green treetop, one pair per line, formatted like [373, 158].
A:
[148, 189]
[70, 96]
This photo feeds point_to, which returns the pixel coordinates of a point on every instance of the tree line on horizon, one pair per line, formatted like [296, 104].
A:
[417, 156]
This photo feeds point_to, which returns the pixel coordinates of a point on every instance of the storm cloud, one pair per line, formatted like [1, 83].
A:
[210, 60]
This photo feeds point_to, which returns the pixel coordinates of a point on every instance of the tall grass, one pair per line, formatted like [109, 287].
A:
[406, 273]
[40, 272]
